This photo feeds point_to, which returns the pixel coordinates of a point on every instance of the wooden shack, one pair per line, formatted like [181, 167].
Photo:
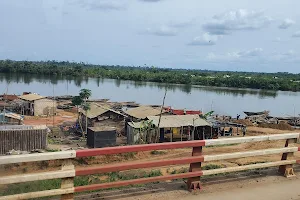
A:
[182, 127]
[9, 118]
[101, 116]
[98, 137]
[22, 138]
[34, 104]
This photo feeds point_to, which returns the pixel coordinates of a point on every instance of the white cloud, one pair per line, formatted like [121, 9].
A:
[162, 31]
[277, 39]
[205, 40]
[103, 5]
[290, 56]
[211, 56]
[286, 23]
[289, 53]
[240, 19]
[296, 34]
[246, 55]
[169, 29]
[181, 24]
[253, 52]
[150, 0]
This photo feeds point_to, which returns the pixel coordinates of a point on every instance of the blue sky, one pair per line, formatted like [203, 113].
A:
[217, 35]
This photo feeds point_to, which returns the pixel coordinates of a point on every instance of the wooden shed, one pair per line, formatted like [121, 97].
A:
[22, 138]
[98, 137]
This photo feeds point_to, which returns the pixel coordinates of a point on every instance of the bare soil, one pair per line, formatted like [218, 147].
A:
[260, 185]
[61, 117]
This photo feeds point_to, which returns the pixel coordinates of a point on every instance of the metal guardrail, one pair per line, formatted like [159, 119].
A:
[68, 170]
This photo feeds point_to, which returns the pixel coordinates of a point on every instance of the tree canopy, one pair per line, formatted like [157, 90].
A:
[267, 81]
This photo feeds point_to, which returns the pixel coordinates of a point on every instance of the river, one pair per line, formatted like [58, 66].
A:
[228, 101]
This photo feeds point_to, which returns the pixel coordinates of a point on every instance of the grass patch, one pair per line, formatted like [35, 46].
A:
[179, 171]
[129, 155]
[155, 152]
[53, 150]
[31, 187]
[78, 181]
[19, 188]
[211, 166]
[115, 176]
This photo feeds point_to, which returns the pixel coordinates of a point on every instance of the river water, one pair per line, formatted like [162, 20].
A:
[226, 101]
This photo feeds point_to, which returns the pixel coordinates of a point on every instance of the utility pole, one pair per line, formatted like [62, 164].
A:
[5, 99]
[53, 106]
[161, 109]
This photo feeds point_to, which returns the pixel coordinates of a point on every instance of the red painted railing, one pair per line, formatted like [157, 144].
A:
[68, 171]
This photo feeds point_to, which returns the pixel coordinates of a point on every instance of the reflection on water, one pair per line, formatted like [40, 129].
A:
[229, 101]
[77, 81]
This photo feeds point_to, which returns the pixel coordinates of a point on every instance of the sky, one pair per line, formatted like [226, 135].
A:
[235, 35]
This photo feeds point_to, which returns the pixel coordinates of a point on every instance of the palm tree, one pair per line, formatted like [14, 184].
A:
[85, 94]
[77, 101]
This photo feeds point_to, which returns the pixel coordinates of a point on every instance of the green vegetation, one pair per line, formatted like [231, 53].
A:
[211, 166]
[179, 171]
[267, 81]
[155, 152]
[78, 181]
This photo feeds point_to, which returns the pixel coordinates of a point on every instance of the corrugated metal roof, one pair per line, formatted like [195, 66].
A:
[12, 115]
[169, 121]
[97, 110]
[10, 97]
[143, 111]
[31, 97]
[23, 127]
[135, 124]
[102, 128]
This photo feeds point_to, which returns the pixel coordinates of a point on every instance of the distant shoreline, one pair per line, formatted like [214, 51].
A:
[198, 78]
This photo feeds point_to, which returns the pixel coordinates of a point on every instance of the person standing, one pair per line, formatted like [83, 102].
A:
[244, 130]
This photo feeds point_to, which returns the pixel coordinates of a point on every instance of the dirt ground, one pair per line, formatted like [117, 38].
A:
[260, 185]
[61, 117]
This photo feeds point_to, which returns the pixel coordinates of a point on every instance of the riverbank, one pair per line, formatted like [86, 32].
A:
[267, 81]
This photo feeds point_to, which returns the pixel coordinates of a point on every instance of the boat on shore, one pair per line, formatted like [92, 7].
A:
[256, 113]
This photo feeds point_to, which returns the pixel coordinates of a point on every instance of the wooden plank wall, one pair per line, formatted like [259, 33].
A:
[23, 140]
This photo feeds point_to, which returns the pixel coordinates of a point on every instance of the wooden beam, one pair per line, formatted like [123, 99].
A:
[178, 161]
[136, 165]
[237, 140]
[135, 148]
[249, 153]
[36, 176]
[37, 157]
[44, 193]
[248, 167]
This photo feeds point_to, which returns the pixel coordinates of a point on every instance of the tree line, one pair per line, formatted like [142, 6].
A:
[268, 81]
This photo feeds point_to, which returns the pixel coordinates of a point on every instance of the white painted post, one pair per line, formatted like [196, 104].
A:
[67, 183]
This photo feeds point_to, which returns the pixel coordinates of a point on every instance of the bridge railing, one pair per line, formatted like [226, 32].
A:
[68, 170]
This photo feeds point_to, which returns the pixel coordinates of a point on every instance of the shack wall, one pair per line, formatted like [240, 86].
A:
[23, 140]
[135, 135]
[99, 139]
[44, 107]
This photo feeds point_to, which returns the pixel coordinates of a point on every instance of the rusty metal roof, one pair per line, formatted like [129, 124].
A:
[31, 97]
[96, 110]
[169, 121]
[23, 127]
[143, 111]
[135, 124]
